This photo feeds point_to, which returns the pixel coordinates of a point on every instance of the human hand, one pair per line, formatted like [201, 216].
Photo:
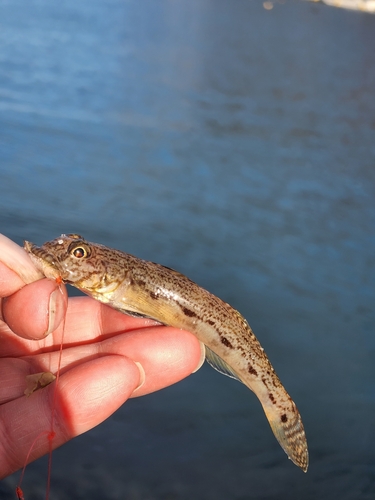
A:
[107, 358]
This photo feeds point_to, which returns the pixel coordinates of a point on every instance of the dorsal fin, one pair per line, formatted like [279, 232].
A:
[220, 365]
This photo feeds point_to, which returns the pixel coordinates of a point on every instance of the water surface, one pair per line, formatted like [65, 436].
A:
[237, 145]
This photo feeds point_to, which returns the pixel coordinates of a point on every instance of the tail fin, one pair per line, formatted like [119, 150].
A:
[287, 427]
[280, 410]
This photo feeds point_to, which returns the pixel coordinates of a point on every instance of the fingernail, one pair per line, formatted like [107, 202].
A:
[54, 311]
[203, 357]
[142, 376]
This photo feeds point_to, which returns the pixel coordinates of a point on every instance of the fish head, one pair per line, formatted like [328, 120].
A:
[68, 258]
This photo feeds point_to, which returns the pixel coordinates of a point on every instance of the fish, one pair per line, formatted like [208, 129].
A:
[146, 289]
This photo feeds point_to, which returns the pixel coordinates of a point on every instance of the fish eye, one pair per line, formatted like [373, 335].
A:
[80, 252]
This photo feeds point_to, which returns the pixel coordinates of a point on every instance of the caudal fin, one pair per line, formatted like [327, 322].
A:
[287, 426]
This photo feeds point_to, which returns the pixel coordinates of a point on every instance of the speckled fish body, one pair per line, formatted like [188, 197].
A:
[141, 288]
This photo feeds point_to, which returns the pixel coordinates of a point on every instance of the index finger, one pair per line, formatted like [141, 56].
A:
[16, 267]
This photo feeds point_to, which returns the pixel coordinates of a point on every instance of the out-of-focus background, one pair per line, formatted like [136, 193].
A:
[234, 142]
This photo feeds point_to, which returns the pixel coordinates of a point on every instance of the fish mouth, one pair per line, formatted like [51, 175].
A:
[39, 252]
[43, 260]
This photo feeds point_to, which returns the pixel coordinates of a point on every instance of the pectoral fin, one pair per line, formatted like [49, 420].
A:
[221, 366]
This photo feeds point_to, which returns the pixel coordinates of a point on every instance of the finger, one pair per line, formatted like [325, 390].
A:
[13, 373]
[87, 320]
[164, 355]
[15, 258]
[85, 396]
[10, 282]
[36, 310]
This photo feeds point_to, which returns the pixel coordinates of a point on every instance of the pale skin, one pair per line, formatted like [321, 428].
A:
[107, 358]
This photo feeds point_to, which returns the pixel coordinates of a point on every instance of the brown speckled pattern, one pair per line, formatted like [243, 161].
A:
[144, 288]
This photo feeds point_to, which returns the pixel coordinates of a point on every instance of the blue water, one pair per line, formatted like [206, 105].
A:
[237, 145]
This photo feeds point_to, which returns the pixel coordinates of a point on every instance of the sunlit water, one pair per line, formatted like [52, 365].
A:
[237, 145]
